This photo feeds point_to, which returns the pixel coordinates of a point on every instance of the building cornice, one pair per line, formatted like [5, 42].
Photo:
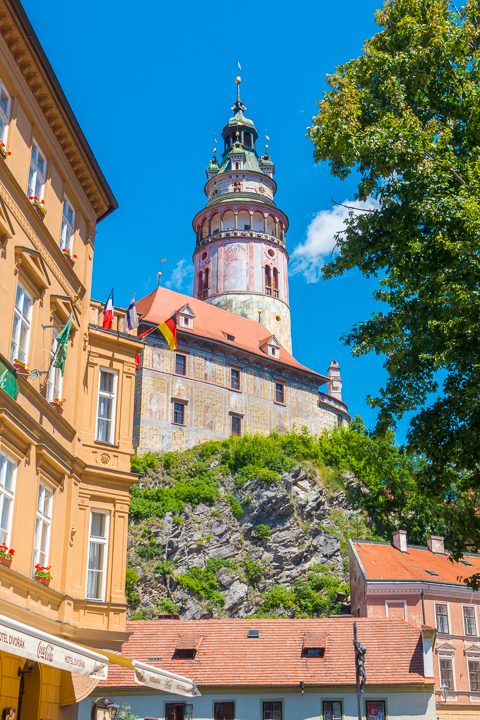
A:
[32, 62]
[376, 587]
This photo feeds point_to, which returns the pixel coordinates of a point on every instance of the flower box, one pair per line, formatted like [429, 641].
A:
[57, 407]
[3, 150]
[71, 259]
[6, 555]
[5, 561]
[43, 580]
[21, 369]
[38, 205]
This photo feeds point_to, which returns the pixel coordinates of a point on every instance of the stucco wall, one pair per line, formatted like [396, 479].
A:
[411, 704]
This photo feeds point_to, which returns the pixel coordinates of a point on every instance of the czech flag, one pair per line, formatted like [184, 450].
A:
[108, 314]
[169, 332]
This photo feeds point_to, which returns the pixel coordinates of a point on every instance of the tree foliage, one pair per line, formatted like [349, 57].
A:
[406, 116]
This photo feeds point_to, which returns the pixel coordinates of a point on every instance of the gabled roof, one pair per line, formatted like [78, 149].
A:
[226, 657]
[213, 323]
[382, 561]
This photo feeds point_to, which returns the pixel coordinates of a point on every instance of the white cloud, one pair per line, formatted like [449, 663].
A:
[182, 274]
[309, 257]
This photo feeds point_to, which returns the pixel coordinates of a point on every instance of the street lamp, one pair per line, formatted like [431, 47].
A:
[105, 709]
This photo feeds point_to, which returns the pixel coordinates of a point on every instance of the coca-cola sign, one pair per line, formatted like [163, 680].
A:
[33, 644]
[159, 679]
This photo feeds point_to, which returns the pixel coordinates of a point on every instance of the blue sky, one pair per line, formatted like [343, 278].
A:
[150, 85]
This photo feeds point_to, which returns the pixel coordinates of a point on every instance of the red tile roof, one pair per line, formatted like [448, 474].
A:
[226, 657]
[214, 323]
[382, 561]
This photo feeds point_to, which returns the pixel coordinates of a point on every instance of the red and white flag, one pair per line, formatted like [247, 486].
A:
[108, 314]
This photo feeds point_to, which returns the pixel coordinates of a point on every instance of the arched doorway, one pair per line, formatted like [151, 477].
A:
[29, 692]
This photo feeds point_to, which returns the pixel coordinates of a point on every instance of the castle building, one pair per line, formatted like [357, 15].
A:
[233, 371]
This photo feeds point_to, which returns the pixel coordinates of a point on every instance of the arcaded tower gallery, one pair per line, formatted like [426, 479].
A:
[233, 371]
[247, 274]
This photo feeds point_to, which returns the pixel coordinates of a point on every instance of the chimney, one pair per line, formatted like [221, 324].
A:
[399, 540]
[435, 544]
[334, 380]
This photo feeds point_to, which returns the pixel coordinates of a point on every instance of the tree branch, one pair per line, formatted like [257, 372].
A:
[350, 207]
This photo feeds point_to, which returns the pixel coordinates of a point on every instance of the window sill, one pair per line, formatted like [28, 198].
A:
[237, 390]
[179, 424]
[276, 402]
[107, 444]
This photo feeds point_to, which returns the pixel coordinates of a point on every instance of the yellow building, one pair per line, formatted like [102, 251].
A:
[64, 470]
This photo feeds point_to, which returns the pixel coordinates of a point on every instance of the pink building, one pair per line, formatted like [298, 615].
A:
[424, 587]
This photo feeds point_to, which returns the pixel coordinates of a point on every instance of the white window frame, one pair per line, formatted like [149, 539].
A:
[448, 617]
[22, 320]
[448, 655]
[8, 493]
[113, 396]
[94, 539]
[68, 228]
[54, 374]
[44, 519]
[37, 170]
[397, 603]
[5, 115]
[467, 605]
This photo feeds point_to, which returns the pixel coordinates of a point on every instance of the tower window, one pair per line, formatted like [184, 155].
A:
[275, 282]
[268, 281]
[237, 166]
[205, 285]
[247, 139]
[200, 286]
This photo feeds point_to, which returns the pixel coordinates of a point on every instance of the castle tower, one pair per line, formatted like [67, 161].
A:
[240, 257]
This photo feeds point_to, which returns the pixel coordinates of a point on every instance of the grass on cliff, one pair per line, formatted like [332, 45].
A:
[376, 474]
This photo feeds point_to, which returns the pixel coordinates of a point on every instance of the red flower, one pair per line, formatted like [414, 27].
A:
[42, 201]
[75, 256]
[11, 552]
[9, 153]
[30, 197]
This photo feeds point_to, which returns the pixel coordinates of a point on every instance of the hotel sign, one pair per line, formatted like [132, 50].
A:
[32, 644]
[158, 679]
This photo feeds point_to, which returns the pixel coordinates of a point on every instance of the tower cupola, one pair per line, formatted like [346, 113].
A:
[241, 258]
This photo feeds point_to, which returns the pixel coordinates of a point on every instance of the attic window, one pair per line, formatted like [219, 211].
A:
[154, 659]
[430, 572]
[315, 652]
[465, 562]
[186, 654]
[230, 337]
[253, 633]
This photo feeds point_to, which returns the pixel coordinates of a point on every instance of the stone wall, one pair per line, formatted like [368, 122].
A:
[210, 402]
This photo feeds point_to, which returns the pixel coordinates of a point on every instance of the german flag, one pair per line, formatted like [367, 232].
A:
[169, 332]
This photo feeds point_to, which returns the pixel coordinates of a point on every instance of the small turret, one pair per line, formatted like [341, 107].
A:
[214, 167]
[266, 164]
[334, 380]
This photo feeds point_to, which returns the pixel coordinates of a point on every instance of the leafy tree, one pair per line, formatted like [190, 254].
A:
[405, 116]
[131, 579]
[262, 532]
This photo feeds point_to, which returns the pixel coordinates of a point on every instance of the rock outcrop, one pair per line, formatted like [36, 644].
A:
[283, 552]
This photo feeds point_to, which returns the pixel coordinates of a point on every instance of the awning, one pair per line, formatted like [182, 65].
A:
[32, 644]
[155, 677]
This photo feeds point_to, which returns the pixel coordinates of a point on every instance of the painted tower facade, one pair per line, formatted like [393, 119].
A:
[241, 259]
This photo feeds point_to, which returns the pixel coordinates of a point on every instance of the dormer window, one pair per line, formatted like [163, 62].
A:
[187, 647]
[186, 314]
[271, 346]
[314, 645]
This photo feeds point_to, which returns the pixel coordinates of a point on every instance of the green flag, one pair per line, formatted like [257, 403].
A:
[62, 347]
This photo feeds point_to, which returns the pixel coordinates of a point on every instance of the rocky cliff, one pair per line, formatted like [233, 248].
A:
[213, 535]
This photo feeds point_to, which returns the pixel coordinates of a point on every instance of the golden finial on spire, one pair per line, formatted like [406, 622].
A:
[238, 79]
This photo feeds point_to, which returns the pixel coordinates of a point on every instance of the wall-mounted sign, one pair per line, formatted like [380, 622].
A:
[163, 680]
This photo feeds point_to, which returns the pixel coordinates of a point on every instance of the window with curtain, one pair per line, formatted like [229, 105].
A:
[8, 471]
[38, 170]
[442, 618]
[446, 673]
[5, 103]
[469, 620]
[224, 710]
[107, 397]
[332, 710]
[68, 225]
[43, 522]
[22, 321]
[55, 377]
[97, 555]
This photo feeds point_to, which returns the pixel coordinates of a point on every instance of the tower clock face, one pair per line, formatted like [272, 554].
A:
[214, 192]
[262, 189]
